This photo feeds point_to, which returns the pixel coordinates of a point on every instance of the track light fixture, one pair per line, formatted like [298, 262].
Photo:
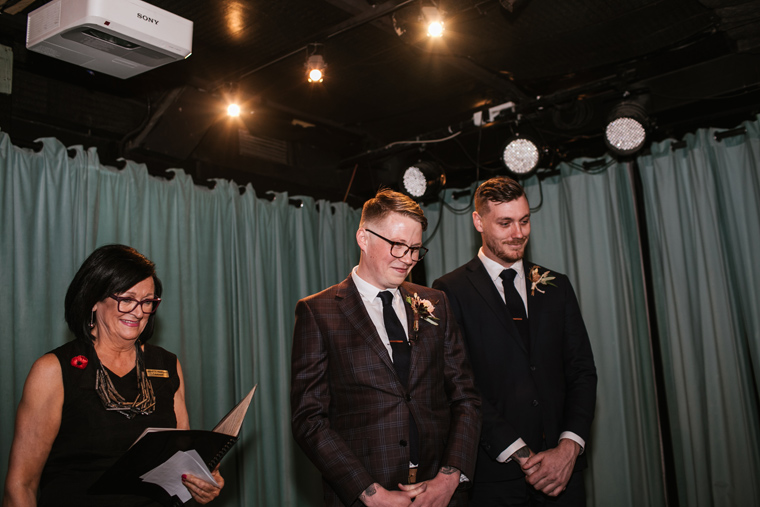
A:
[417, 21]
[626, 130]
[422, 180]
[521, 156]
[315, 63]
[432, 18]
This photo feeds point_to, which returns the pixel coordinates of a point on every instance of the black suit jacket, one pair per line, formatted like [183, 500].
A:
[350, 410]
[531, 394]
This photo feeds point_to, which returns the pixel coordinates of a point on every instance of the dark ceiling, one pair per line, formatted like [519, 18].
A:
[561, 64]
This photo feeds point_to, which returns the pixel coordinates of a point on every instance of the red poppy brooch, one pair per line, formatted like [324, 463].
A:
[79, 362]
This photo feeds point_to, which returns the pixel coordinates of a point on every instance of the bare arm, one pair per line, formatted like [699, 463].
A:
[38, 420]
[180, 409]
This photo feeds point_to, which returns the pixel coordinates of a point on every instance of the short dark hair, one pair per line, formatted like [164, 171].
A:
[388, 201]
[109, 270]
[498, 189]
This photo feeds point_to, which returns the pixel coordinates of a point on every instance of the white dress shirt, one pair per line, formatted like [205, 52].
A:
[374, 306]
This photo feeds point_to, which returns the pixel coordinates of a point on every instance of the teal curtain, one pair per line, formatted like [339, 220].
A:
[450, 235]
[233, 266]
[703, 215]
[585, 228]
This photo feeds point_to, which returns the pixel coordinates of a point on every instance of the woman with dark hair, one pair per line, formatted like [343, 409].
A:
[87, 401]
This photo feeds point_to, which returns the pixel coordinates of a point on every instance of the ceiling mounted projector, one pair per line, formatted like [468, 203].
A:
[120, 38]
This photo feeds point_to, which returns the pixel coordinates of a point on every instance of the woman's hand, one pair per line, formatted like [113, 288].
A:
[203, 492]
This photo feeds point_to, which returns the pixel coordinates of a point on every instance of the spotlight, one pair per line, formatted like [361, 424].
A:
[233, 110]
[433, 20]
[423, 180]
[414, 22]
[521, 156]
[626, 130]
[315, 64]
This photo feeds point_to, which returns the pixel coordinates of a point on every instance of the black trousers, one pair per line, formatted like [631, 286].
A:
[518, 493]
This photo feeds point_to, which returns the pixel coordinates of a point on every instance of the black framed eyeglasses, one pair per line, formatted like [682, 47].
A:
[127, 304]
[398, 250]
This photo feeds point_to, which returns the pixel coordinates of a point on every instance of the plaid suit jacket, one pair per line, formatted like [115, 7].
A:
[350, 412]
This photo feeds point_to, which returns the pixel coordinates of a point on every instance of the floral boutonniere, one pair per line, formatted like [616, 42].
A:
[423, 309]
[79, 362]
[536, 279]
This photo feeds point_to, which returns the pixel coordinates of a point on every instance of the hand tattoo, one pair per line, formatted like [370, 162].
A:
[522, 452]
[370, 491]
[448, 470]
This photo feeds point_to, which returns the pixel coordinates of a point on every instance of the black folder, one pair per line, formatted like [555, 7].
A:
[157, 445]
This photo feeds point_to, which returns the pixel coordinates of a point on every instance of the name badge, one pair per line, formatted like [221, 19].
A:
[157, 373]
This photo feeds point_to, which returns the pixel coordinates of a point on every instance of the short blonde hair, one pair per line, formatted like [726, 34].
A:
[389, 201]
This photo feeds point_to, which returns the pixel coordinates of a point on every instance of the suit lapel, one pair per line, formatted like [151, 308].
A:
[351, 304]
[483, 284]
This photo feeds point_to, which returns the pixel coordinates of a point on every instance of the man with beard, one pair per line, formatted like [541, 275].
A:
[532, 360]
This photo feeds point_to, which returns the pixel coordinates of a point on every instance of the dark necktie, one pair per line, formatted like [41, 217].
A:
[515, 305]
[402, 353]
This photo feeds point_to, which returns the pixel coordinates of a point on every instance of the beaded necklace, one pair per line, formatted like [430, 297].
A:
[144, 403]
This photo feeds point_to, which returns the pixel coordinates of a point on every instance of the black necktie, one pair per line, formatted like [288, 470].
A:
[402, 353]
[515, 305]
[396, 335]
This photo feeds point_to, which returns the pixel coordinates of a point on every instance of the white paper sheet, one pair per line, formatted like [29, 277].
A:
[168, 475]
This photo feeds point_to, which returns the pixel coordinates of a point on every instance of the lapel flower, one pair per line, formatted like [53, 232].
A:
[536, 279]
[79, 362]
[423, 309]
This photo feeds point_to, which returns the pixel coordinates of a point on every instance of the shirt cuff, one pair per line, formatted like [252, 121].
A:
[463, 478]
[575, 438]
[506, 454]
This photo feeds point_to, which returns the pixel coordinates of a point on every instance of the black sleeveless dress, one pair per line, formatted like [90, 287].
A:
[92, 438]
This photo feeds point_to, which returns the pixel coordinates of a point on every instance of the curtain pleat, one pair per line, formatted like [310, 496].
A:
[703, 209]
[233, 266]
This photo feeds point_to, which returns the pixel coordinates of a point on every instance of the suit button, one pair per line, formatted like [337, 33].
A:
[408, 397]
[402, 443]
[535, 403]
[532, 367]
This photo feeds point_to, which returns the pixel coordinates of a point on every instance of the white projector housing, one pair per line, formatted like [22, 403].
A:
[121, 38]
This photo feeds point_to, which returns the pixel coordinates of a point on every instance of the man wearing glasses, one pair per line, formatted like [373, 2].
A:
[382, 396]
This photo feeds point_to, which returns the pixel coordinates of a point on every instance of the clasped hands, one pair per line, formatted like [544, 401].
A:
[436, 492]
[549, 471]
